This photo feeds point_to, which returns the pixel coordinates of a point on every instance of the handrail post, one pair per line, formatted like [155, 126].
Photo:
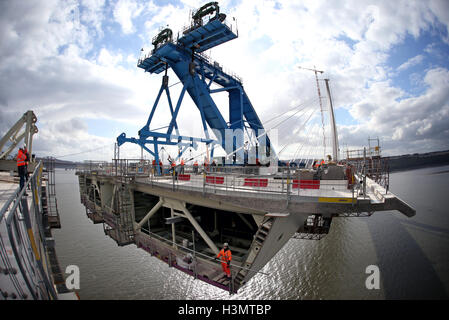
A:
[204, 183]
[194, 255]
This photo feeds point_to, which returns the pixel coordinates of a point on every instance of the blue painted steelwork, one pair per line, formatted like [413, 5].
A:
[196, 72]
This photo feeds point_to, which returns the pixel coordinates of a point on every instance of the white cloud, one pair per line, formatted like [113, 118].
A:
[124, 13]
[66, 86]
[105, 58]
[405, 124]
[54, 79]
[93, 14]
[440, 8]
[411, 62]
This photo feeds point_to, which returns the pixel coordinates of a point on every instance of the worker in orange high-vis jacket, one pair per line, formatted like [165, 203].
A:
[226, 258]
[182, 166]
[195, 167]
[21, 168]
[27, 162]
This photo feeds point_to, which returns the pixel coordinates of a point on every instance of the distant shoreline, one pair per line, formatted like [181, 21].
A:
[418, 160]
[396, 163]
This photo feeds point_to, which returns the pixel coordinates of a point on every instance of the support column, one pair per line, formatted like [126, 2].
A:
[114, 190]
[150, 214]
[245, 220]
[173, 232]
[200, 230]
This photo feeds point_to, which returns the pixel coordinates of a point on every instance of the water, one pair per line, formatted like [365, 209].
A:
[411, 253]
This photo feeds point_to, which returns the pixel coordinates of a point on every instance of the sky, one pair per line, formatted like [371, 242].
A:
[74, 63]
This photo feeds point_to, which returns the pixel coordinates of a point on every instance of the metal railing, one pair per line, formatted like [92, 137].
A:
[23, 246]
[363, 153]
[177, 249]
[191, 27]
[226, 180]
[208, 59]
[51, 201]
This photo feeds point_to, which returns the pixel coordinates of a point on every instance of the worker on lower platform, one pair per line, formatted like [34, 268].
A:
[226, 258]
[21, 167]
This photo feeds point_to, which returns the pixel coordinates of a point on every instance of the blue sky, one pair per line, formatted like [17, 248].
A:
[74, 63]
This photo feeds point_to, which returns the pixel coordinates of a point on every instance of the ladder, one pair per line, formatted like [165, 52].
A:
[122, 230]
[125, 214]
[259, 240]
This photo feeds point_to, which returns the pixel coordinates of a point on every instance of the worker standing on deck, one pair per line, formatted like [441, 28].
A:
[173, 166]
[27, 161]
[182, 166]
[195, 167]
[21, 167]
[226, 258]
[153, 166]
[350, 176]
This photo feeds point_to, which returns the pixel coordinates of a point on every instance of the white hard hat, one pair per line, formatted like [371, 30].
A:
[225, 244]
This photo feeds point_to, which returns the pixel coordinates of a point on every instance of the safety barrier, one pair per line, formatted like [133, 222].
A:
[306, 184]
[214, 180]
[253, 182]
[24, 245]
[184, 177]
[224, 180]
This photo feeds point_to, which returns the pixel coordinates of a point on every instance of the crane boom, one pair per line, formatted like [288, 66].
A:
[28, 119]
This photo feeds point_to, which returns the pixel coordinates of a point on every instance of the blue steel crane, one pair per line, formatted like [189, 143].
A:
[197, 73]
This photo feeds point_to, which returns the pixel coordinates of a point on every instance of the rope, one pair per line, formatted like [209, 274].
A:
[87, 151]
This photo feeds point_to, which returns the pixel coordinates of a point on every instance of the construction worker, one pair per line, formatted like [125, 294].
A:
[350, 176]
[173, 166]
[27, 161]
[319, 164]
[21, 168]
[182, 166]
[195, 167]
[226, 258]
